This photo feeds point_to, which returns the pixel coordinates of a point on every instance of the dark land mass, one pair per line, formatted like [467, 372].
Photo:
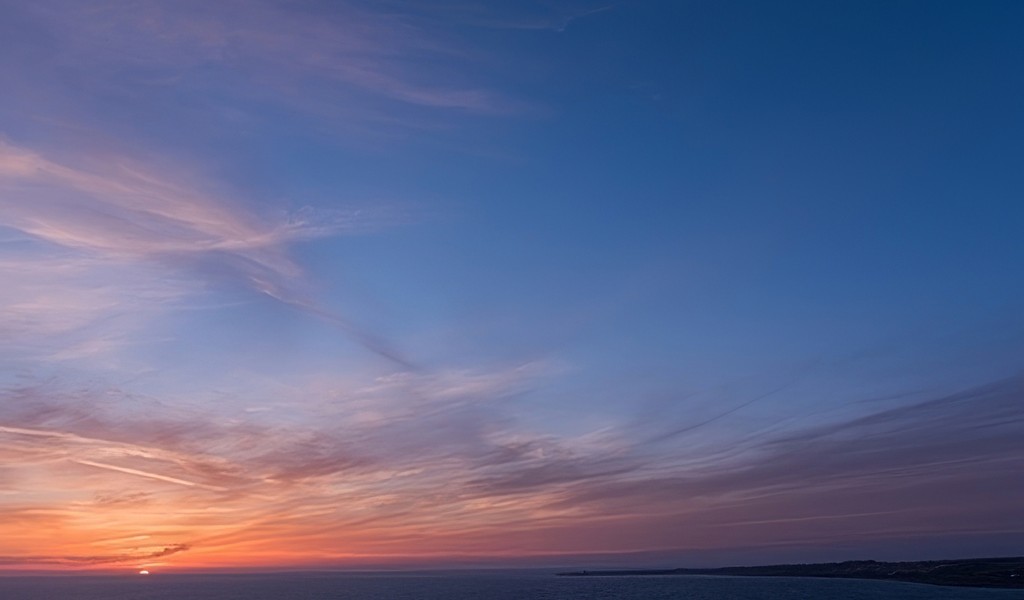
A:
[974, 572]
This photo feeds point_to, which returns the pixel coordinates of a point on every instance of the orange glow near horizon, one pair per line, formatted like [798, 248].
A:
[355, 284]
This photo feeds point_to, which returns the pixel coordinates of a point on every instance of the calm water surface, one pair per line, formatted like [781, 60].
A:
[506, 586]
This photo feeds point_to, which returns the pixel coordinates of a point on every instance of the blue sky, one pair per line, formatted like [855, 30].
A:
[659, 269]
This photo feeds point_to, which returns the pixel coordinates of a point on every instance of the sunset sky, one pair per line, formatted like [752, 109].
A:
[393, 283]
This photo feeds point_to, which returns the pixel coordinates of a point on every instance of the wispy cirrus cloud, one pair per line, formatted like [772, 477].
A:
[543, 16]
[128, 213]
[338, 60]
[472, 472]
[112, 240]
[256, 438]
[260, 473]
[137, 235]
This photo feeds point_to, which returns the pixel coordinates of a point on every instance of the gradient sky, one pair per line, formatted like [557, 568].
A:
[446, 282]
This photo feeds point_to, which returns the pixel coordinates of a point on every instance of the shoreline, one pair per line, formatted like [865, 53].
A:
[1004, 573]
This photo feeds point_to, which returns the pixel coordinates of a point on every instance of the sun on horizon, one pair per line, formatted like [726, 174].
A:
[427, 284]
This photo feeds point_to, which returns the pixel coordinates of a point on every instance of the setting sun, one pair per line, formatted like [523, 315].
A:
[296, 289]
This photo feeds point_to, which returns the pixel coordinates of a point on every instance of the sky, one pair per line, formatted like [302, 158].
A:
[397, 283]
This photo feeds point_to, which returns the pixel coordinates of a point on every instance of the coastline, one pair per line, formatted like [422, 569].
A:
[1003, 572]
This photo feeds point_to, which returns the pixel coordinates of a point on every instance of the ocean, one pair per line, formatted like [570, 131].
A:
[472, 586]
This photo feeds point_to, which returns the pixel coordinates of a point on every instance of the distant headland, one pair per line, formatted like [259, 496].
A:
[974, 572]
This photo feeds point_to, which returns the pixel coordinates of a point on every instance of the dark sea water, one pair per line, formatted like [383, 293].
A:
[477, 586]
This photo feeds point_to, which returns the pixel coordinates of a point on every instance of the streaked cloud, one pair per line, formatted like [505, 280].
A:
[180, 385]
[336, 61]
[446, 480]
[116, 241]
